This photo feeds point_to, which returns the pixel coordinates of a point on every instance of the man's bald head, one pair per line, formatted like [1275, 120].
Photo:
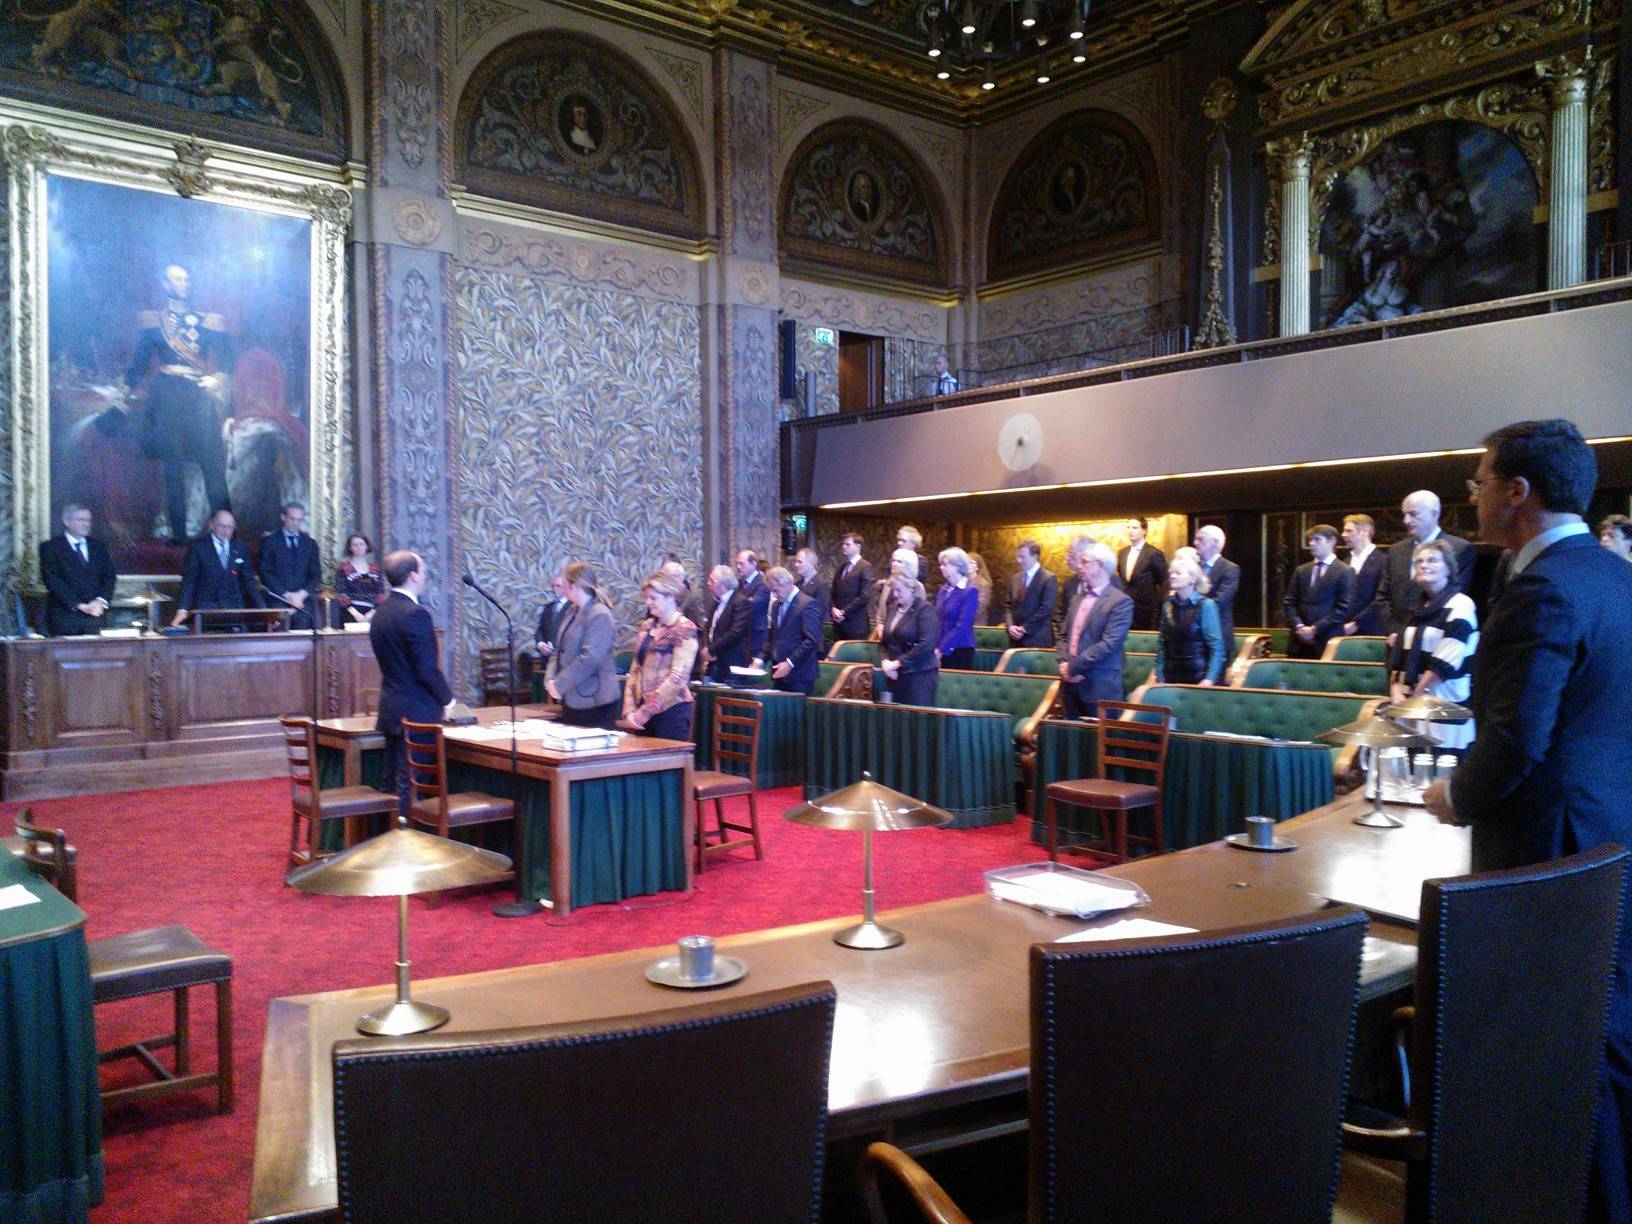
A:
[1421, 511]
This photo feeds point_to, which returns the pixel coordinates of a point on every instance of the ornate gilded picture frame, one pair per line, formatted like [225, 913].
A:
[179, 342]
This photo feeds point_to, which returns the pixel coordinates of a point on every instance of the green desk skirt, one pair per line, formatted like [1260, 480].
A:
[962, 761]
[331, 771]
[627, 832]
[1212, 785]
[50, 1102]
[781, 732]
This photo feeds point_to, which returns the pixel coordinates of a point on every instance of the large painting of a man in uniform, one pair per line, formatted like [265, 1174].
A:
[180, 351]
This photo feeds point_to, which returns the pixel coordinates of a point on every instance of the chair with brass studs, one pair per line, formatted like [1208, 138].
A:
[312, 804]
[1132, 738]
[46, 852]
[735, 743]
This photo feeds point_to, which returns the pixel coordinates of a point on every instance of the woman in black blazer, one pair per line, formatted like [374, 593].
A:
[907, 646]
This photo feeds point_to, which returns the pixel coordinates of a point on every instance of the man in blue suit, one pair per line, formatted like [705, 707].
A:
[725, 644]
[795, 644]
[290, 568]
[1031, 600]
[412, 685]
[1550, 772]
[751, 586]
[215, 572]
[1096, 631]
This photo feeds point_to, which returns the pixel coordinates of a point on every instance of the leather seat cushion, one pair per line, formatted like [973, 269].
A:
[146, 962]
[1104, 793]
[341, 801]
[712, 784]
[465, 808]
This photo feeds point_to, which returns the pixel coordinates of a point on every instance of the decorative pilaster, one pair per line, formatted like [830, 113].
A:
[1294, 154]
[1570, 77]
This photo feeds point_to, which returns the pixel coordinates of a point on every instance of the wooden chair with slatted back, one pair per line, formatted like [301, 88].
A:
[735, 741]
[429, 802]
[312, 804]
[1129, 744]
[497, 667]
[46, 852]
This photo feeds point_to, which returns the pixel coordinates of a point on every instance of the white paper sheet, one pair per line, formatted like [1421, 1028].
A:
[14, 895]
[1126, 928]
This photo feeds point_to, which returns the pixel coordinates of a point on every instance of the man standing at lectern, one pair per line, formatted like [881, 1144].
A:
[412, 685]
[78, 576]
[216, 573]
[290, 566]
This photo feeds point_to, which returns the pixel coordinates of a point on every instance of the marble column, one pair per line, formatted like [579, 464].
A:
[1571, 78]
[1294, 154]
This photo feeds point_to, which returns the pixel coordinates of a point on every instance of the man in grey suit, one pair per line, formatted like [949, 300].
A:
[1223, 581]
[1096, 631]
[1031, 600]
[1397, 596]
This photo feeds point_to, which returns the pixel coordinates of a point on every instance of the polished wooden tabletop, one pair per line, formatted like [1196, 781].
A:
[940, 1020]
[474, 746]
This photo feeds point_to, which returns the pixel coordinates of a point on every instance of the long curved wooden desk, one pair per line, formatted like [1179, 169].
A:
[922, 1030]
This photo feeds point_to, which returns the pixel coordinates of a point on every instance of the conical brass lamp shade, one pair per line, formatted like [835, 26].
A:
[1375, 731]
[867, 806]
[397, 864]
[400, 863]
[1428, 709]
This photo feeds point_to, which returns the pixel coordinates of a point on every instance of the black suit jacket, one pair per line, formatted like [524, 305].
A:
[1032, 608]
[284, 569]
[1325, 604]
[851, 589]
[798, 640]
[550, 618]
[70, 582]
[821, 595]
[1397, 596]
[1147, 585]
[913, 640]
[412, 685]
[1550, 770]
[729, 636]
[205, 584]
[1365, 614]
[759, 621]
[1224, 583]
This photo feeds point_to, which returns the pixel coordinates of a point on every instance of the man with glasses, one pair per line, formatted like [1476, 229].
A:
[1549, 772]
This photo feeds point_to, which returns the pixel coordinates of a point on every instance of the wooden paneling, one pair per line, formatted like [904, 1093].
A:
[92, 700]
[223, 681]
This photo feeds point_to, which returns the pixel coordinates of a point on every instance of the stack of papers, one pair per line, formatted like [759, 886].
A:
[1126, 928]
[577, 739]
[1077, 894]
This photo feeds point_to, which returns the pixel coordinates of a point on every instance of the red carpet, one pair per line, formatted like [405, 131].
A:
[212, 858]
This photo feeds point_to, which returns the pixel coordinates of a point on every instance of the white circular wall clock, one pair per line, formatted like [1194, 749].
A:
[1020, 442]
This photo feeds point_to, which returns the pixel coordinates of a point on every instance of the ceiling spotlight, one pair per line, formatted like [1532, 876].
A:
[1076, 28]
[1079, 56]
[934, 40]
[967, 21]
[1043, 77]
[943, 74]
[988, 82]
[1028, 13]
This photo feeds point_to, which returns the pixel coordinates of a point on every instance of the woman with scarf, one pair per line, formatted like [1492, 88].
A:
[1434, 652]
[1190, 638]
[657, 697]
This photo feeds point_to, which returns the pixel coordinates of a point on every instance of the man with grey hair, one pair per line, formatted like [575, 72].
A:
[725, 642]
[807, 565]
[692, 605]
[1397, 596]
[793, 646]
[1096, 632]
[1223, 581]
[1073, 581]
[78, 575]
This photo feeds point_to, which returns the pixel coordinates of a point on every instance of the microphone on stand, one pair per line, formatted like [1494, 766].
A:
[313, 615]
[520, 907]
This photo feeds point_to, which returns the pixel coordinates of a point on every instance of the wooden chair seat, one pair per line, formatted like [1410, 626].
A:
[1104, 793]
[712, 784]
[464, 809]
[312, 804]
[46, 853]
[169, 958]
[348, 801]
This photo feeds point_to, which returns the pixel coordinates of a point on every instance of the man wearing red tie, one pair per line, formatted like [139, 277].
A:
[1096, 631]
[1319, 597]
[851, 587]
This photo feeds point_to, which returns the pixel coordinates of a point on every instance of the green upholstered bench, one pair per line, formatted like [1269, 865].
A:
[1136, 666]
[1141, 641]
[1024, 698]
[1310, 676]
[852, 651]
[1356, 650]
[1275, 639]
[622, 661]
[838, 679]
[992, 637]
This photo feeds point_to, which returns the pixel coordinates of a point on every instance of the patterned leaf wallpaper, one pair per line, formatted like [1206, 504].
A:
[8, 559]
[578, 422]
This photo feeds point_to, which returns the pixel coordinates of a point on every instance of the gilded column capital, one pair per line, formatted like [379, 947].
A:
[1570, 76]
[1293, 154]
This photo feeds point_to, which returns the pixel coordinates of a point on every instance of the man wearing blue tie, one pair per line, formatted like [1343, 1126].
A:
[215, 572]
[289, 565]
[794, 644]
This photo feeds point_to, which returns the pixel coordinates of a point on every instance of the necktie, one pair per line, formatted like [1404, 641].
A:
[776, 615]
[1084, 606]
[290, 539]
[79, 547]
[221, 551]
[1320, 572]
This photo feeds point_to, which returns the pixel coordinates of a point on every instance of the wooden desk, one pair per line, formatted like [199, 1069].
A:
[557, 770]
[922, 1030]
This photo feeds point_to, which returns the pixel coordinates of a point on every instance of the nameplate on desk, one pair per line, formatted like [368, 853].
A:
[121, 633]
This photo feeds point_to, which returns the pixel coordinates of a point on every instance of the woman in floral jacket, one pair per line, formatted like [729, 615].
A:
[657, 696]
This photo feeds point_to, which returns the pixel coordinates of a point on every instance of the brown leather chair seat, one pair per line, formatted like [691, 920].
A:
[464, 808]
[712, 784]
[150, 962]
[1103, 793]
[345, 801]
[313, 804]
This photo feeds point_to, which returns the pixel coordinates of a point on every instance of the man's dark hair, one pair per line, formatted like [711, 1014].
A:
[1617, 523]
[1362, 520]
[1140, 519]
[851, 535]
[288, 506]
[1031, 546]
[398, 566]
[1325, 530]
[1553, 457]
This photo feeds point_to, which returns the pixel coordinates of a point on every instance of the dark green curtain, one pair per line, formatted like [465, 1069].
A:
[781, 733]
[962, 762]
[50, 1103]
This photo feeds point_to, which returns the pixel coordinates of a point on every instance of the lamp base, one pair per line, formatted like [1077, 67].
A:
[1379, 820]
[401, 1018]
[869, 936]
[517, 909]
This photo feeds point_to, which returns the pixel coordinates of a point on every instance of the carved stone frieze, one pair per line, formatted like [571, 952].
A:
[1219, 99]
[416, 221]
[1215, 330]
[1114, 292]
[941, 148]
[581, 262]
[477, 17]
[854, 311]
[415, 424]
[1601, 128]
[750, 180]
[187, 176]
[687, 76]
[411, 85]
[792, 109]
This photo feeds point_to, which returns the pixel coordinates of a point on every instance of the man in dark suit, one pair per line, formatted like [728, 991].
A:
[290, 566]
[852, 588]
[1223, 582]
[1550, 771]
[78, 576]
[751, 586]
[795, 644]
[1320, 595]
[1369, 564]
[1397, 596]
[216, 571]
[412, 685]
[807, 566]
[725, 643]
[551, 616]
[1143, 570]
[1031, 600]
[1096, 634]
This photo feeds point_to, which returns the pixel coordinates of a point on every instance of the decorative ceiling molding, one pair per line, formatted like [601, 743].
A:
[792, 109]
[476, 17]
[687, 76]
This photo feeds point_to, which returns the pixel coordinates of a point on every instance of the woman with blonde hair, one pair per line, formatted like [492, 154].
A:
[1189, 638]
[906, 648]
[981, 579]
[955, 610]
[657, 697]
[580, 675]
